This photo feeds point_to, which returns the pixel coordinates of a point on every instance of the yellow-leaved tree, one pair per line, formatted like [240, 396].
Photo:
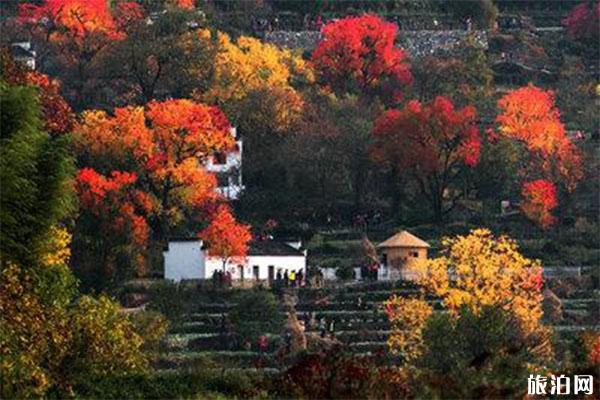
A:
[474, 271]
[247, 69]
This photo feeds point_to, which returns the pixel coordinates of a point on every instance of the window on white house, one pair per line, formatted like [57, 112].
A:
[220, 158]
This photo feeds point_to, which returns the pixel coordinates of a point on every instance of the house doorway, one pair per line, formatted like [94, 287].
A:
[255, 271]
[271, 273]
[241, 272]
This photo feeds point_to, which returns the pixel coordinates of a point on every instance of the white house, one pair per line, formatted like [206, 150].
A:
[228, 169]
[186, 259]
[23, 52]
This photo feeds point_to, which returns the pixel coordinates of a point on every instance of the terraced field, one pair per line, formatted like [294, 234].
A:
[201, 341]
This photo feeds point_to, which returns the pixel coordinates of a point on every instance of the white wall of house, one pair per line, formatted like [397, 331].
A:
[263, 262]
[185, 260]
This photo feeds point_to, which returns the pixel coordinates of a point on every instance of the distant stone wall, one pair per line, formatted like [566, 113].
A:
[424, 43]
[416, 43]
[305, 40]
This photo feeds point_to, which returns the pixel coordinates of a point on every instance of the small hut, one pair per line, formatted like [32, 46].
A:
[400, 250]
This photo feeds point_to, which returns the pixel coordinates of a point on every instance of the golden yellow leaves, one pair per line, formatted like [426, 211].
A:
[479, 270]
[408, 318]
[475, 271]
[58, 250]
[255, 75]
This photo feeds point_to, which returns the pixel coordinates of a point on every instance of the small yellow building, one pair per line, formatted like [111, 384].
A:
[400, 250]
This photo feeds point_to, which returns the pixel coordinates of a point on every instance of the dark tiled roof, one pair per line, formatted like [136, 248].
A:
[18, 51]
[255, 247]
[271, 248]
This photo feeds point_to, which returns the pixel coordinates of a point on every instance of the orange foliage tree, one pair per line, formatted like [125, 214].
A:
[358, 54]
[226, 238]
[539, 199]
[161, 150]
[528, 115]
[75, 33]
[431, 143]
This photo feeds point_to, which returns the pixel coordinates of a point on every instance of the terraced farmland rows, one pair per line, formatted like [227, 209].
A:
[362, 325]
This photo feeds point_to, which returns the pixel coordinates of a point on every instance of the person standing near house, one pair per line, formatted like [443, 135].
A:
[332, 328]
[288, 342]
[300, 277]
[323, 326]
[262, 344]
[293, 278]
[286, 278]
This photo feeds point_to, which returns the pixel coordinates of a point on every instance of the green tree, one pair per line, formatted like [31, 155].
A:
[256, 312]
[34, 169]
[154, 61]
[463, 74]
[49, 339]
[487, 347]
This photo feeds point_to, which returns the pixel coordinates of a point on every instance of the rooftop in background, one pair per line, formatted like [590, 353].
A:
[272, 248]
[404, 239]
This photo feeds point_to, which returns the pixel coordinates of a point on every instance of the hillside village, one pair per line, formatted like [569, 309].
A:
[299, 199]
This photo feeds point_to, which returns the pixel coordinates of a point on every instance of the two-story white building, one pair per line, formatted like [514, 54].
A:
[266, 259]
[228, 169]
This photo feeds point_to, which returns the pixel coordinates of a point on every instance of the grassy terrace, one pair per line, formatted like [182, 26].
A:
[198, 341]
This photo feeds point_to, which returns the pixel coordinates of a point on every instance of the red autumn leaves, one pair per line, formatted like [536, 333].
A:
[161, 183]
[358, 53]
[429, 142]
[119, 206]
[226, 238]
[528, 116]
[583, 21]
[432, 141]
[80, 18]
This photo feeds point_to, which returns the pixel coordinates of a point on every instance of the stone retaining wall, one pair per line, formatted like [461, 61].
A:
[416, 43]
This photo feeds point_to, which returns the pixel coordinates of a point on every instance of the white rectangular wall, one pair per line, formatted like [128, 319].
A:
[185, 260]
[283, 263]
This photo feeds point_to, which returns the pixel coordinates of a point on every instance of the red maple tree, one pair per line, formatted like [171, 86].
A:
[429, 142]
[538, 201]
[74, 34]
[528, 115]
[358, 53]
[226, 238]
[165, 145]
[113, 204]
[76, 18]
[583, 21]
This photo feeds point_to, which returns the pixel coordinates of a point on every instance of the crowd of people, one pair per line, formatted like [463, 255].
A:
[288, 278]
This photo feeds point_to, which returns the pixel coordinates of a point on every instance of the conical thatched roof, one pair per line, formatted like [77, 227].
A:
[403, 239]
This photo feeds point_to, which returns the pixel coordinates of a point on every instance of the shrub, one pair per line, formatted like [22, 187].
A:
[489, 348]
[171, 300]
[345, 272]
[152, 327]
[49, 343]
[256, 312]
[337, 374]
[104, 341]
